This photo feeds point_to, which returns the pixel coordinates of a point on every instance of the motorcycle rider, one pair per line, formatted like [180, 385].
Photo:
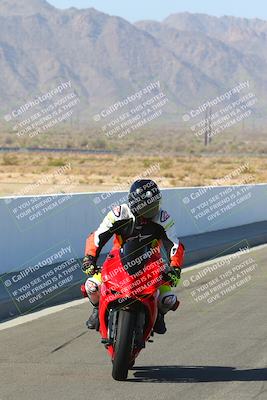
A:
[144, 218]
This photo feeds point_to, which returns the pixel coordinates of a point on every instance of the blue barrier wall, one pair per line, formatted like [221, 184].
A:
[43, 237]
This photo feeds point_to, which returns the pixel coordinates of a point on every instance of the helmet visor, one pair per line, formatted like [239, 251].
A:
[150, 210]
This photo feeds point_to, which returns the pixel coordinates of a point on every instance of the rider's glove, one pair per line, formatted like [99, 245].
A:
[174, 276]
[89, 265]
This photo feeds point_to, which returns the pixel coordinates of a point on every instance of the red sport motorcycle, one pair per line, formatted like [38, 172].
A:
[128, 308]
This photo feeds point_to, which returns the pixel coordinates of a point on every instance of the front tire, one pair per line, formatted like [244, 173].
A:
[123, 347]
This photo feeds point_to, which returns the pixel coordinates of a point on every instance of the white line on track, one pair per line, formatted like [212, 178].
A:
[39, 314]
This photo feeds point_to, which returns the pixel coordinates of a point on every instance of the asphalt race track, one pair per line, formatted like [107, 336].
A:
[212, 351]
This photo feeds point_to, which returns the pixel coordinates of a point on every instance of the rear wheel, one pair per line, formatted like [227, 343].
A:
[124, 345]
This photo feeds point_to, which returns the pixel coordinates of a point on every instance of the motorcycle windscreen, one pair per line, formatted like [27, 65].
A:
[135, 255]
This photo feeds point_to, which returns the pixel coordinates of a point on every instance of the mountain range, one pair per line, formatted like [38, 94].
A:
[195, 57]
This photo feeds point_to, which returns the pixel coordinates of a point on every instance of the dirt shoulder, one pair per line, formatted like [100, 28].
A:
[43, 173]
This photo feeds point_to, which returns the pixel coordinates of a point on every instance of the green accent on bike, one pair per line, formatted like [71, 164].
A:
[164, 288]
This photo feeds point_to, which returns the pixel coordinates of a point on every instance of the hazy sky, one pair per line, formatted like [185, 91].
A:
[134, 10]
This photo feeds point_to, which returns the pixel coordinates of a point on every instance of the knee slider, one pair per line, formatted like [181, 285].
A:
[167, 302]
[91, 286]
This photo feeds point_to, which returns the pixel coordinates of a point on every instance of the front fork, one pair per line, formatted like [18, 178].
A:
[112, 329]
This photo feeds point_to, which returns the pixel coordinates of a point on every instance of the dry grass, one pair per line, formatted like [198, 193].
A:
[32, 173]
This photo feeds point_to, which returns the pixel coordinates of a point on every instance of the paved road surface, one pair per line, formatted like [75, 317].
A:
[211, 351]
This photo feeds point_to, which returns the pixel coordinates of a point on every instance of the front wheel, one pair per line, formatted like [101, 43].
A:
[123, 345]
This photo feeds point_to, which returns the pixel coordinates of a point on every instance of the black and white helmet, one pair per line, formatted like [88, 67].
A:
[144, 198]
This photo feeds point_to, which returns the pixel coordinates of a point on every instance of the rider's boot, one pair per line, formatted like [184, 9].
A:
[160, 326]
[93, 320]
